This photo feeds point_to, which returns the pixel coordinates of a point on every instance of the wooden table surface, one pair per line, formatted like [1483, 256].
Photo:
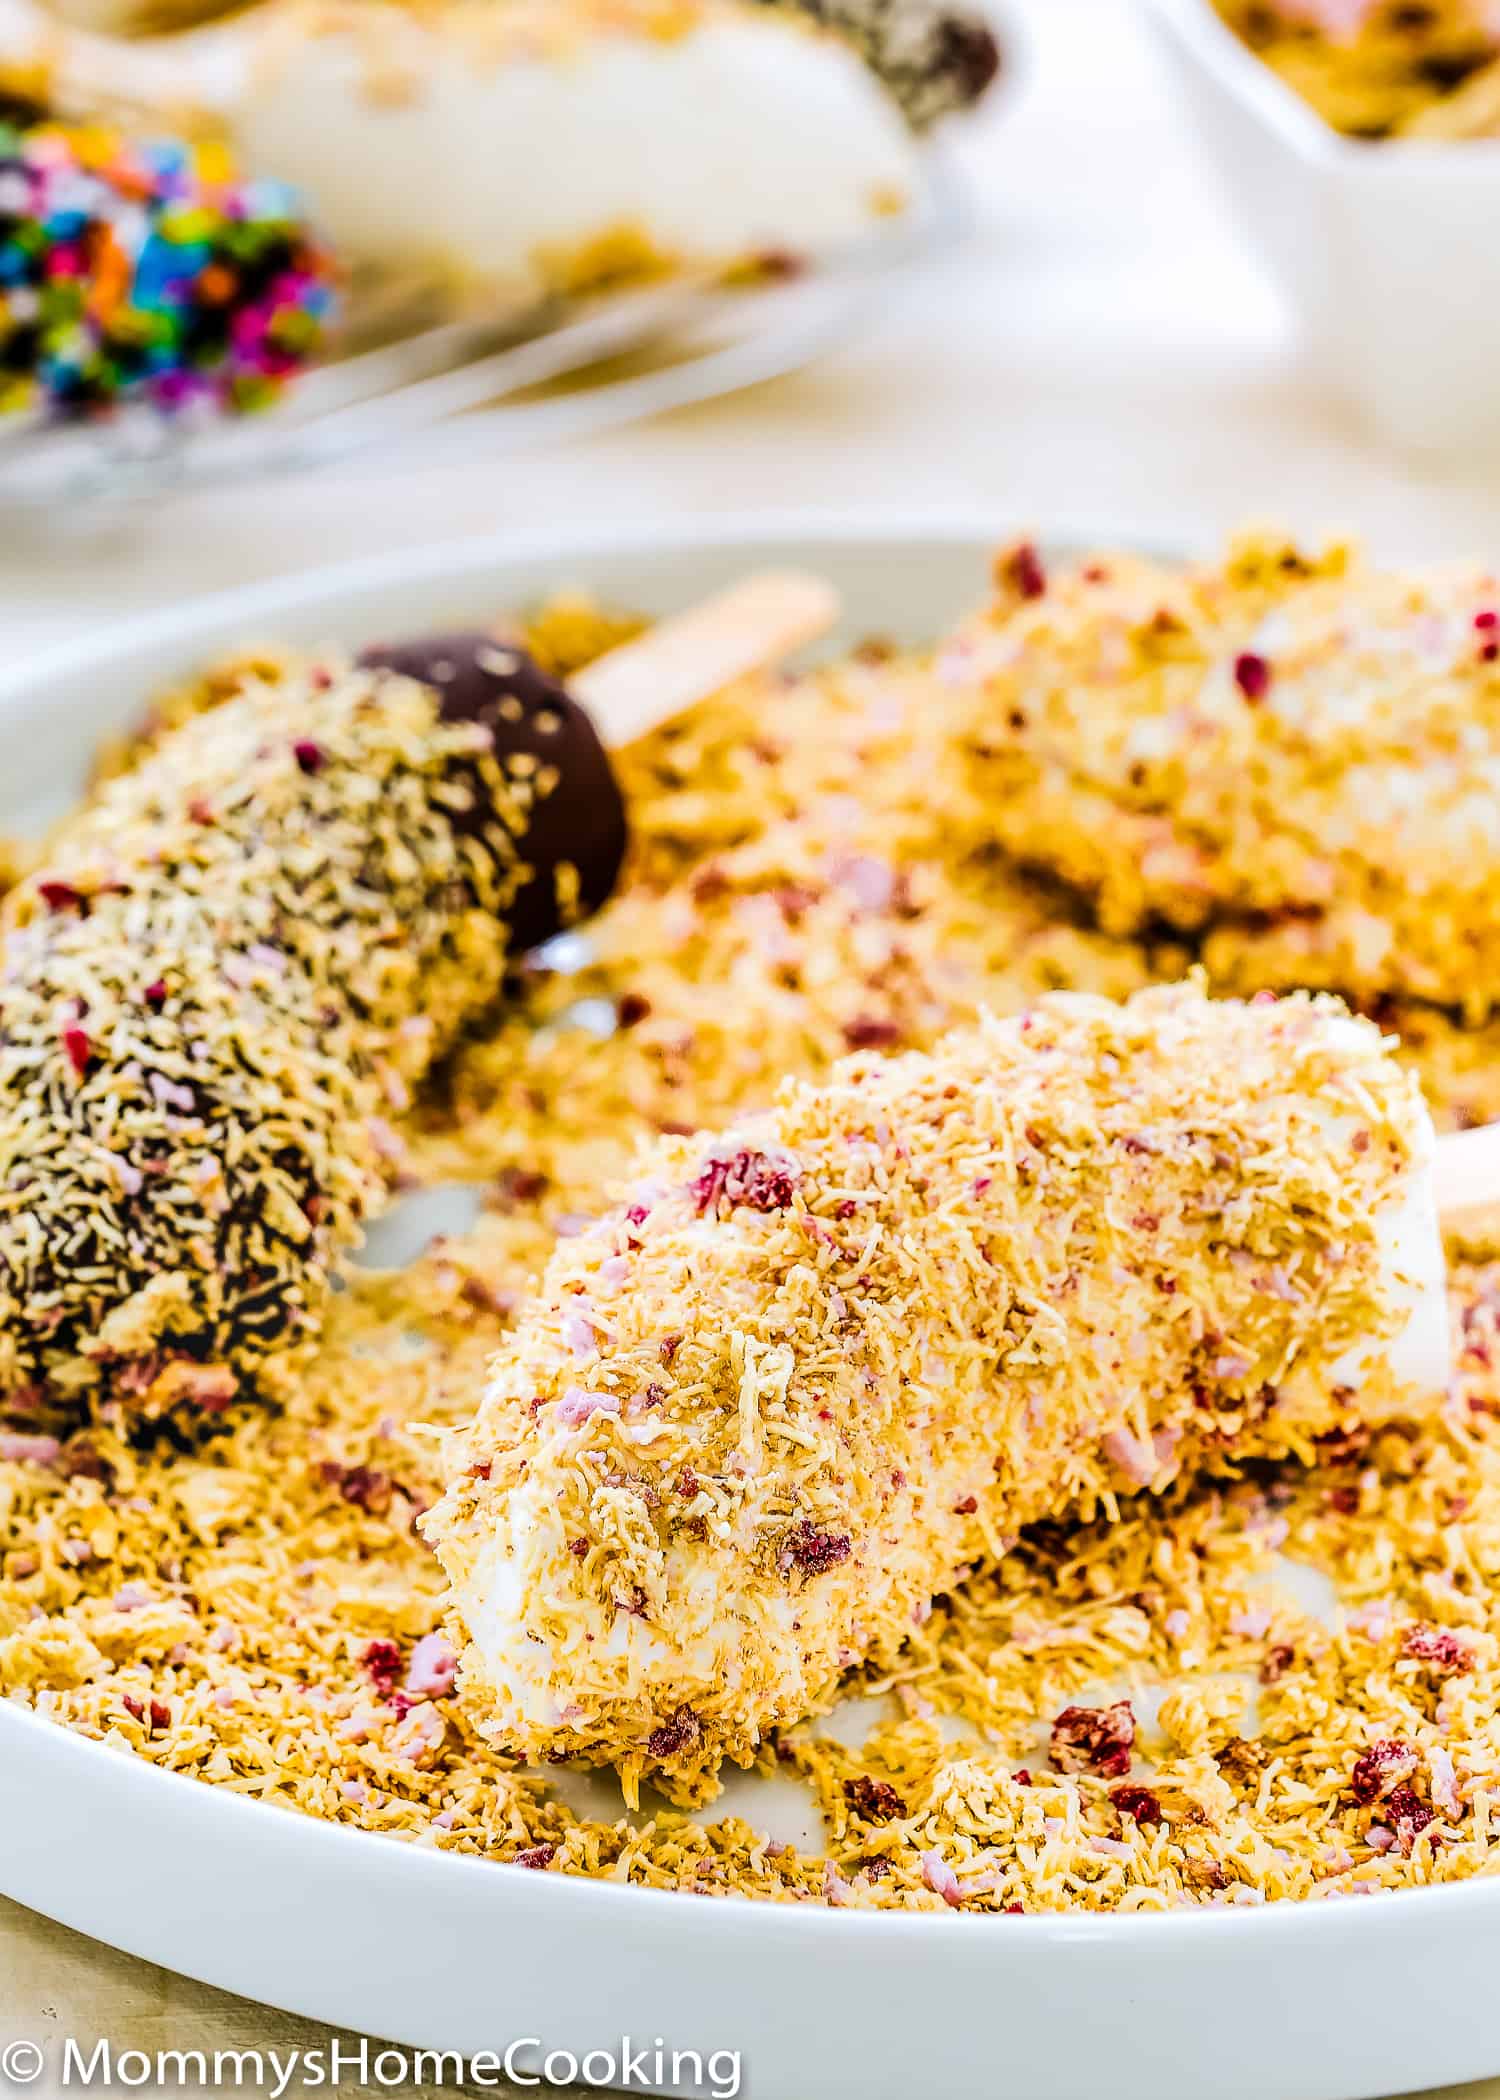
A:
[55, 1984]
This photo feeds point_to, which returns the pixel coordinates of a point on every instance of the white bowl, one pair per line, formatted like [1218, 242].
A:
[1330, 2001]
[1386, 251]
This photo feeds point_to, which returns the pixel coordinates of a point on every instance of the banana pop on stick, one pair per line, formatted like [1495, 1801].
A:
[813, 1367]
[244, 952]
[1292, 759]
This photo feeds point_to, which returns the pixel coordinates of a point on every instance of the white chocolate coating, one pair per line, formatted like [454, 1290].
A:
[758, 1418]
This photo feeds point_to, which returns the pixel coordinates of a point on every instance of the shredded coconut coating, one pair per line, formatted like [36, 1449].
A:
[229, 971]
[1294, 758]
[816, 1366]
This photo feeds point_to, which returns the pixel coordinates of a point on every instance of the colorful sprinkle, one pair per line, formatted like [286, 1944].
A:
[148, 272]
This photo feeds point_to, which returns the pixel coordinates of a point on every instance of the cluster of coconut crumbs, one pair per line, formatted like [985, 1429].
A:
[1131, 1715]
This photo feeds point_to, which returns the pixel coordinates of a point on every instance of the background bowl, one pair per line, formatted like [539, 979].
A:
[1386, 251]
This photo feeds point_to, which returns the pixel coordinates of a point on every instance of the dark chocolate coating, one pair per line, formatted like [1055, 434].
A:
[583, 819]
[935, 56]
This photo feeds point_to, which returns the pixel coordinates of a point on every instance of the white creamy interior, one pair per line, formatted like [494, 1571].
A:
[527, 1560]
[743, 135]
[1411, 1246]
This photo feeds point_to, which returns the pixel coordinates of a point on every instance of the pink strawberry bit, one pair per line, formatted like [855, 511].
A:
[814, 1551]
[941, 1879]
[1252, 674]
[1275, 1663]
[1096, 1739]
[1137, 1802]
[78, 1047]
[430, 1672]
[131, 1597]
[836, 1890]
[680, 1732]
[871, 882]
[753, 1180]
[1021, 567]
[29, 1450]
[578, 1333]
[577, 1407]
[1252, 1623]
[1408, 1815]
[420, 1736]
[1381, 1768]
[1436, 1646]
[210, 1386]
[172, 1093]
[381, 1663]
[537, 1857]
[872, 1032]
[364, 1486]
[1135, 1458]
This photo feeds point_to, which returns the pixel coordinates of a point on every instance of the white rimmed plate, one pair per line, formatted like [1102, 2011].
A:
[1322, 2001]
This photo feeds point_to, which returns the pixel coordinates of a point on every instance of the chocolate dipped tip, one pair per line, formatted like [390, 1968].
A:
[582, 820]
[969, 54]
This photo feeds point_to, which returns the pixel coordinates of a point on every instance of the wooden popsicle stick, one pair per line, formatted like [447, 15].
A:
[1466, 1176]
[754, 623]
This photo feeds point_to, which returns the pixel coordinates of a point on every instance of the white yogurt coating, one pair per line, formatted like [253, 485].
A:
[1410, 1239]
[748, 133]
[1411, 1242]
[521, 1663]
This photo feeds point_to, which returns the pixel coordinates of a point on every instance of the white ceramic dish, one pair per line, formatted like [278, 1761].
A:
[1323, 2001]
[1385, 251]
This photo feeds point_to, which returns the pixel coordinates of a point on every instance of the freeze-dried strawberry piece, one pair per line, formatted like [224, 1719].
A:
[874, 1799]
[1380, 1769]
[1096, 1739]
[1441, 1650]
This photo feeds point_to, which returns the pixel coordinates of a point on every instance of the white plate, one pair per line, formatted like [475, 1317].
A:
[1323, 2001]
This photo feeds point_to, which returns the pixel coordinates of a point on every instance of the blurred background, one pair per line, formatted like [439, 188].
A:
[1099, 345]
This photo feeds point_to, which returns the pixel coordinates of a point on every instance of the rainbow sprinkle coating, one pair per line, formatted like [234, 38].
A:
[148, 271]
